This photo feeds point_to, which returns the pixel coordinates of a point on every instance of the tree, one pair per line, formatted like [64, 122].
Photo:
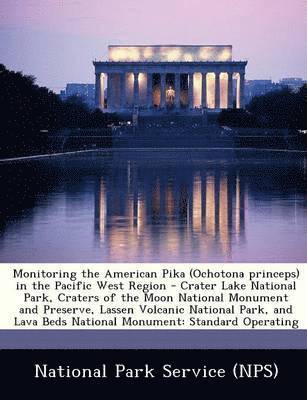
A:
[278, 109]
[27, 108]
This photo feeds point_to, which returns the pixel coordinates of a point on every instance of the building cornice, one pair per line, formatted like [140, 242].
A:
[169, 63]
[170, 45]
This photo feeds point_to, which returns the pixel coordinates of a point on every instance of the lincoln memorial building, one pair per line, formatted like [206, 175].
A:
[180, 78]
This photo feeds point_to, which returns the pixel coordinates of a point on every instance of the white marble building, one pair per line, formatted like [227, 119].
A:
[169, 77]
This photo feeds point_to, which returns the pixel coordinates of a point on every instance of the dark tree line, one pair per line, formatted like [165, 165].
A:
[27, 108]
[278, 109]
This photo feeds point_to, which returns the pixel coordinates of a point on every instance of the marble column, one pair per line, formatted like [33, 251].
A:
[204, 90]
[149, 90]
[191, 90]
[217, 91]
[109, 90]
[98, 97]
[163, 90]
[136, 94]
[123, 90]
[230, 90]
[177, 90]
[242, 90]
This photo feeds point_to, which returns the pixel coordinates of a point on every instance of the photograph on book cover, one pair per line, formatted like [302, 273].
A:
[153, 169]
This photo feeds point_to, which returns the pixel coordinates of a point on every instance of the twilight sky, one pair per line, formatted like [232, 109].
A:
[56, 40]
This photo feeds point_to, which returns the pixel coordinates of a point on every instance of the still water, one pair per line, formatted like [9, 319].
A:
[155, 206]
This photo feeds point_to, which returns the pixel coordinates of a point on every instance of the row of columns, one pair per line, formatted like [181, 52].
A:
[136, 90]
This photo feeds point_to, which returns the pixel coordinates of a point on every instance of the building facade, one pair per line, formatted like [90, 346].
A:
[293, 84]
[169, 77]
[259, 87]
[86, 91]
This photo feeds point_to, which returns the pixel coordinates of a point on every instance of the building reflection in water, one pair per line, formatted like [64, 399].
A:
[167, 216]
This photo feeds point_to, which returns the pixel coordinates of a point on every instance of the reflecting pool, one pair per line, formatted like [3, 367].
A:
[155, 206]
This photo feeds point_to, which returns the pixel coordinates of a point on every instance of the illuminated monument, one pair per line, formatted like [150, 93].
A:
[170, 77]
